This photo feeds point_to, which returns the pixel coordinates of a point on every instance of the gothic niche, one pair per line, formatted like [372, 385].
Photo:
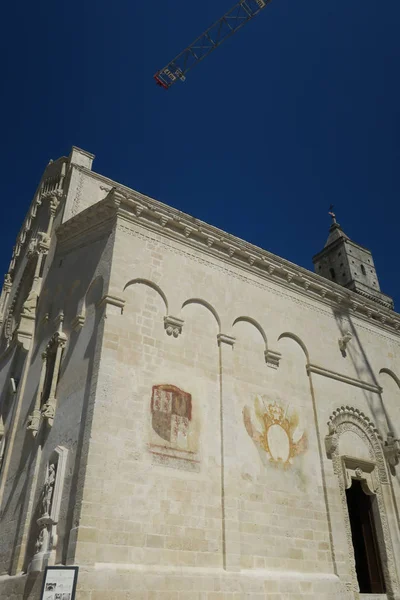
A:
[48, 511]
[46, 399]
[174, 436]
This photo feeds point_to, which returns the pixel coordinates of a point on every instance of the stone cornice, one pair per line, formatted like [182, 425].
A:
[169, 222]
[365, 385]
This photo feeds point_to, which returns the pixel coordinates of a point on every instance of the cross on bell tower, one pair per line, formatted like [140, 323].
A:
[349, 264]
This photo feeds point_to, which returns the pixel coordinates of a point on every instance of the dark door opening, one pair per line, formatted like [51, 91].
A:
[365, 543]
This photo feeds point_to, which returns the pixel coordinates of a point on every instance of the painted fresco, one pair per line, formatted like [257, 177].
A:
[174, 436]
[275, 429]
[171, 410]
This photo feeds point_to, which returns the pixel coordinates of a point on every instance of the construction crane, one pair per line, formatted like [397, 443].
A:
[232, 21]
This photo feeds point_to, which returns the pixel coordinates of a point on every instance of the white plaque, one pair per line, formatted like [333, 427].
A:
[59, 583]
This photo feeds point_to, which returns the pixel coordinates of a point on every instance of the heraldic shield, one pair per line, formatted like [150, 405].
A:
[171, 410]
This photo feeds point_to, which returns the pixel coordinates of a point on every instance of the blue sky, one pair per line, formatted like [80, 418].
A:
[298, 110]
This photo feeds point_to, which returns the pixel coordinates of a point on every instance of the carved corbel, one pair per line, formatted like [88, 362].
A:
[173, 326]
[110, 302]
[343, 342]
[188, 231]
[78, 322]
[391, 449]
[272, 358]
[331, 441]
[225, 339]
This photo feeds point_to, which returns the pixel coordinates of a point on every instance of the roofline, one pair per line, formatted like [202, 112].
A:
[131, 206]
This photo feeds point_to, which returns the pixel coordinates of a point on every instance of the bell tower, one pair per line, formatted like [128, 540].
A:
[349, 264]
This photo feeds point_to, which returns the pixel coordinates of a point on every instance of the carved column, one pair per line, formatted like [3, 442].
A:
[34, 418]
[229, 472]
[48, 409]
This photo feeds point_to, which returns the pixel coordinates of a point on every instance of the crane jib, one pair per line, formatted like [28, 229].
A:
[232, 21]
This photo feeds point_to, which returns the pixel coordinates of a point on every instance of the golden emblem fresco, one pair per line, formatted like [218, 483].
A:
[278, 433]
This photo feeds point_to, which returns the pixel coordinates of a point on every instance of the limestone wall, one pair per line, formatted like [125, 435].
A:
[194, 399]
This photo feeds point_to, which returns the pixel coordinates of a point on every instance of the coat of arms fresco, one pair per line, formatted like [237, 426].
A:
[174, 435]
[171, 410]
[275, 430]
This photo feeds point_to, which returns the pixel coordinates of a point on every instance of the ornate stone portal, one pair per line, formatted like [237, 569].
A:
[373, 477]
[49, 510]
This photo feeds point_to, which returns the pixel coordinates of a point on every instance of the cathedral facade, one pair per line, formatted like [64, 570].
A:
[185, 416]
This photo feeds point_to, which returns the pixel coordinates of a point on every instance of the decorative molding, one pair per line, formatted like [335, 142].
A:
[272, 358]
[322, 309]
[171, 223]
[347, 418]
[173, 325]
[225, 339]
[312, 368]
[361, 470]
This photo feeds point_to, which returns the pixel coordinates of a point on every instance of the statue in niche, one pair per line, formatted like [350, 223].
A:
[48, 489]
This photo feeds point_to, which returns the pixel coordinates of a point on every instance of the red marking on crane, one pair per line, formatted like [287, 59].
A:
[160, 82]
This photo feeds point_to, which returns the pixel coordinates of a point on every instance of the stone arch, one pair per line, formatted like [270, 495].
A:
[391, 374]
[299, 341]
[255, 324]
[151, 285]
[349, 419]
[206, 305]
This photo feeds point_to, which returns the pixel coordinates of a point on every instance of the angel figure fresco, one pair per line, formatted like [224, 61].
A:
[278, 433]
